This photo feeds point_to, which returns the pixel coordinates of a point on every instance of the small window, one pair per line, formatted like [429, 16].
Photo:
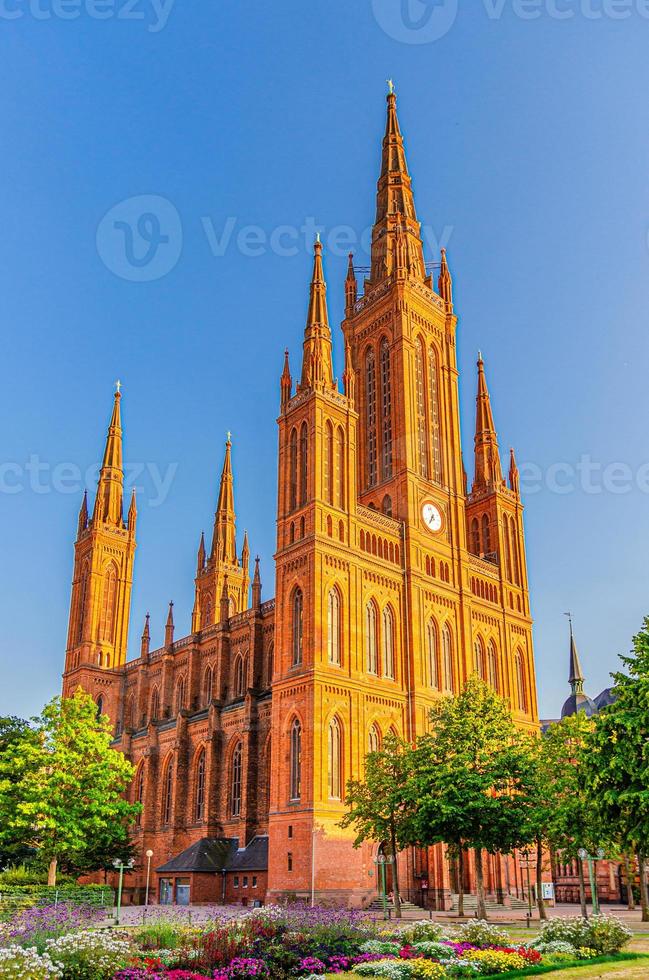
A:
[236, 881]
[245, 881]
[289, 861]
[290, 831]
[254, 881]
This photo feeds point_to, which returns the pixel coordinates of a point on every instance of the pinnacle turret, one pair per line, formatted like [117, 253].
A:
[286, 382]
[224, 544]
[169, 627]
[317, 366]
[109, 500]
[445, 282]
[488, 472]
[514, 475]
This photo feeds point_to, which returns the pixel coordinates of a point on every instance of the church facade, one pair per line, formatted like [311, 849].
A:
[394, 582]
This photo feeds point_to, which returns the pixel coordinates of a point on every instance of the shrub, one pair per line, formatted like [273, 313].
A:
[426, 970]
[381, 946]
[495, 961]
[481, 933]
[553, 946]
[17, 963]
[390, 969]
[423, 932]
[434, 951]
[90, 955]
[603, 933]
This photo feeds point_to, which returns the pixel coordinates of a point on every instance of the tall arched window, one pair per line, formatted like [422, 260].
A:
[180, 694]
[296, 760]
[107, 616]
[370, 398]
[100, 707]
[420, 382]
[515, 552]
[129, 714]
[333, 627]
[492, 669]
[386, 506]
[139, 793]
[486, 534]
[387, 637]
[447, 655]
[199, 793]
[239, 677]
[83, 596]
[335, 760]
[371, 655]
[478, 649]
[433, 394]
[432, 654]
[206, 618]
[521, 685]
[292, 453]
[270, 660]
[508, 551]
[208, 685]
[328, 464]
[168, 792]
[386, 412]
[475, 536]
[155, 705]
[304, 464]
[340, 468]
[297, 627]
[374, 739]
[235, 781]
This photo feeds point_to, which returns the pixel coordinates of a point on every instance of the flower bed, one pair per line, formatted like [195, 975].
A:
[296, 944]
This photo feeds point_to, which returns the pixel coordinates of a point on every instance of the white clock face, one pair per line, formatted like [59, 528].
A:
[432, 517]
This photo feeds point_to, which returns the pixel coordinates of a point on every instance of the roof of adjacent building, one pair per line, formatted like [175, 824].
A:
[213, 855]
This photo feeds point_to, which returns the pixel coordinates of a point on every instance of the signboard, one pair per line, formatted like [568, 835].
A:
[547, 888]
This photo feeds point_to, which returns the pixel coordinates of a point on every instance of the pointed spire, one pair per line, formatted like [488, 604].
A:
[109, 500]
[445, 282]
[224, 544]
[396, 217]
[576, 679]
[146, 639]
[514, 475]
[169, 628]
[245, 552]
[83, 514]
[225, 601]
[349, 377]
[196, 612]
[132, 513]
[317, 366]
[200, 560]
[286, 382]
[488, 472]
[256, 587]
[351, 287]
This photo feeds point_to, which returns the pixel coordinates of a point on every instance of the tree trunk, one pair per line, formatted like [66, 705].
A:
[644, 891]
[395, 873]
[460, 882]
[539, 879]
[582, 888]
[479, 880]
[630, 897]
[51, 874]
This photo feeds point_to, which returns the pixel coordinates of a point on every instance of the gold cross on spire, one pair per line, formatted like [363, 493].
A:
[390, 86]
[118, 386]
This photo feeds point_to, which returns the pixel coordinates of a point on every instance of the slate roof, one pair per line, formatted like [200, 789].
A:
[214, 855]
[254, 857]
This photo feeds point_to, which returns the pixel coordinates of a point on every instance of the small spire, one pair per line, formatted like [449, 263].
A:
[317, 366]
[445, 282]
[146, 638]
[196, 612]
[132, 513]
[488, 472]
[349, 376]
[286, 382]
[576, 678]
[225, 601]
[256, 586]
[514, 475]
[83, 514]
[200, 561]
[224, 544]
[245, 551]
[169, 627]
[351, 287]
[109, 500]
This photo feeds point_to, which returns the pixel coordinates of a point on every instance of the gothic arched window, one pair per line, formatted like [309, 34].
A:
[296, 761]
[333, 627]
[371, 655]
[155, 704]
[431, 650]
[297, 627]
[386, 506]
[206, 619]
[340, 469]
[388, 643]
[328, 464]
[304, 464]
[386, 412]
[433, 394]
[293, 470]
[208, 685]
[521, 685]
[374, 739]
[515, 552]
[420, 390]
[492, 669]
[370, 398]
[83, 596]
[447, 655]
[100, 707]
[139, 793]
[239, 677]
[235, 781]
[199, 793]
[475, 536]
[486, 534]
[335, 760]
[508, 552]
[478, 649]
[167, 792]
[180, 694]
[107, 616]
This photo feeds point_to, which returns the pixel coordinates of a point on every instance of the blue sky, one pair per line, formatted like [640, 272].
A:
[528, 145]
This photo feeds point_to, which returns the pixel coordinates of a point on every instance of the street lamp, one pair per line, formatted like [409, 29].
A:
[119, 865]
[381, 861]
[148, 855]
[526, 866]
[585, 856]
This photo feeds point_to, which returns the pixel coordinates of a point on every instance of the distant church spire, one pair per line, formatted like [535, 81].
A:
[224, 544]
[445, 282]
[576, 678]
[286, 382]
[317, 367]
[514, 475]
[488, 471]
[109, 500]
[351, 286]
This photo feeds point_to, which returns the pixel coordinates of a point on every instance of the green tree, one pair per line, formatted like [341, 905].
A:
[15, 734]
[470, 785]
[617, 759]
[377, 804]
[68, 800]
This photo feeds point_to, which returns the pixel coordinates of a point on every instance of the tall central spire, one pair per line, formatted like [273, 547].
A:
[488, 471]
[109, 500]
[317, 367]
[396, 238]
[224, 543]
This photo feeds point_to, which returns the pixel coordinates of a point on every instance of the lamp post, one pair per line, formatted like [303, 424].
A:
[525, 866]
[585, 856]
[148, 855]
[119, 865]
[381, 861]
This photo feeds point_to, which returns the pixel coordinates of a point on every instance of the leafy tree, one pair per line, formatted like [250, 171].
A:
[469, 787]
[617, 759]
[377, 803]
[14, 766]
[67, 800]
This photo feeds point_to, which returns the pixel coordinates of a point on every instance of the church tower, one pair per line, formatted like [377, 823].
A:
[103, 565]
